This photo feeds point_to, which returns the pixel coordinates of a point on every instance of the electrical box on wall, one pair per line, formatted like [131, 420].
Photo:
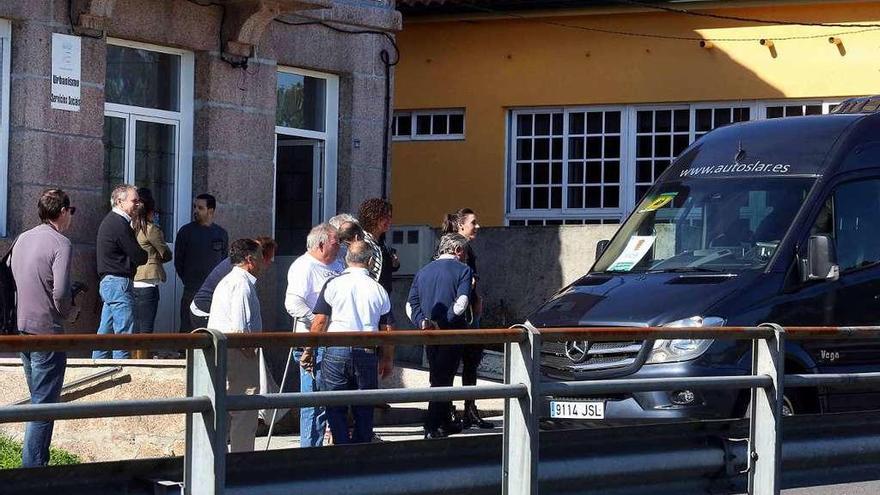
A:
[414, 245]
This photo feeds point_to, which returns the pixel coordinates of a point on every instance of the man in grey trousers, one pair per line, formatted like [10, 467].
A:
[41, 268]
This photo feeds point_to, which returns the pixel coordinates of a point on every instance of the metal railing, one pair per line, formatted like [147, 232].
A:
[207, 404]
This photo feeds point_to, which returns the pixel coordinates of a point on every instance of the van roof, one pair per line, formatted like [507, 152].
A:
[794, 146]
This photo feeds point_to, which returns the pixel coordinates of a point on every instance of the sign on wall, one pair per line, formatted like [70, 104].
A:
[66, 68]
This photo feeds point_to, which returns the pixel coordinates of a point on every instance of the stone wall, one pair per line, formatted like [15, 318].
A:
[234, 111]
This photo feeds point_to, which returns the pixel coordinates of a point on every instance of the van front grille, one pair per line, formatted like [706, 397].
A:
[594, 356]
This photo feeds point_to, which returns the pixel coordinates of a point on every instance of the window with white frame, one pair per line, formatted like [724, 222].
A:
[611, 156]
[713, 117]
[5, 58]
[148, 126]
[428, 125]
[793, 110]
[593, 179]
[401, 125]
[306, 137]
[661, 134]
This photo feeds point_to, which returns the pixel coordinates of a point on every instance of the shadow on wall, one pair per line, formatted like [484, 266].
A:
[521, 267]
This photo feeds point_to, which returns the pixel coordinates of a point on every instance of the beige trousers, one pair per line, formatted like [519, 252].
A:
[242, 378]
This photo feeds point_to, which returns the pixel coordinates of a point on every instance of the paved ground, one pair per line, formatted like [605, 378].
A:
[410, 430]
[865, 488]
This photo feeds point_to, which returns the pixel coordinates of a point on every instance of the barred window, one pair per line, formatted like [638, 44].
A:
[567, 160]
[594, 159]
[428, 125]
[538, 163]
[795, 110]
[661, 134]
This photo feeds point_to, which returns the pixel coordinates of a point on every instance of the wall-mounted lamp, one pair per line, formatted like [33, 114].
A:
[707, 44]
[770, 46]
[834, 40]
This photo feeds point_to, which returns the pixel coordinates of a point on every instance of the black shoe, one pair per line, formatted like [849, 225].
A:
[452, 427]
[472, 419]
[438, 433]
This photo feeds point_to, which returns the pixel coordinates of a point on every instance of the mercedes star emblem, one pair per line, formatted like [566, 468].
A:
[577, 350]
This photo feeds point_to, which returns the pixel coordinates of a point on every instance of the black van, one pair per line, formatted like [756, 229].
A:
[766, 221]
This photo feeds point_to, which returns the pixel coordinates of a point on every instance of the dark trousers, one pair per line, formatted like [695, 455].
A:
[471, 355]
[443, 361]
[146, 303]
[198, 321]
[346, 368]
[185, 301]
[44, 373]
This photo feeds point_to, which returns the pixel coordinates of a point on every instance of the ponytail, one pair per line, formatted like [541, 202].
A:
[452, 221]
[449, 225]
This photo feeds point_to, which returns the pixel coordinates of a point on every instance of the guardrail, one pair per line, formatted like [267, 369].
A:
[207, 404]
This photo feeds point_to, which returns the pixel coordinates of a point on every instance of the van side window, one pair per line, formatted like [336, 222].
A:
[855, 210]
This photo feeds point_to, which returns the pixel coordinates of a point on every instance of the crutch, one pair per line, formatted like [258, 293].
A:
[281, 387]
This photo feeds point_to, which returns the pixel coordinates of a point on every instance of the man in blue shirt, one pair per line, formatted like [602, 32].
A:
[438, 298]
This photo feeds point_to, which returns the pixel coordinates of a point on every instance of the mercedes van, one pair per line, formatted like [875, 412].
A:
[766, 221]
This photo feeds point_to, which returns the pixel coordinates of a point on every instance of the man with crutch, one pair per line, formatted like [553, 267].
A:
[305, 279]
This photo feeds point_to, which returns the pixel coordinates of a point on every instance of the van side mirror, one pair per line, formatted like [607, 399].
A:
[601, 246]
[821, 262]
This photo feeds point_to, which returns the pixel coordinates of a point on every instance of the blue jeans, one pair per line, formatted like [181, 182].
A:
[117, 315]
[44, 373]
[346, 368]
[312, 421]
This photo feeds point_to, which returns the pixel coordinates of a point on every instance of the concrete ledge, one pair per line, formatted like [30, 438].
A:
[85, 362]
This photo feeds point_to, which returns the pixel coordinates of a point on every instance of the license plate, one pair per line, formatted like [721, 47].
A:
[577, 410]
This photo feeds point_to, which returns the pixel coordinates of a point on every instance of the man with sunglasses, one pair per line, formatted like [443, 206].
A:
[41, 268]
[119, 255]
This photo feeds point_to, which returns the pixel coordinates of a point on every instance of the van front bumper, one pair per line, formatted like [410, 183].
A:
[666, 405]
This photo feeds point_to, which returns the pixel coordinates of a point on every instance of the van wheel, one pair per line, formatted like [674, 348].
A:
[801, 401]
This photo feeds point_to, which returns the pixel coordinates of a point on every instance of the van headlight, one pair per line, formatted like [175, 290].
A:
[673, 351]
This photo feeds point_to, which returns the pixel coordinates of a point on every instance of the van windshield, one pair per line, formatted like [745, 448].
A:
[707, 225]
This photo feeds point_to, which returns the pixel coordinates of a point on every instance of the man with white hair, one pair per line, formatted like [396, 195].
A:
[119, 255]
[340, 219]
[306, 277]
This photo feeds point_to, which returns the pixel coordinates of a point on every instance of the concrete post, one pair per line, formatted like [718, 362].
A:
[522, 364]
[765, 426]
[205, 459]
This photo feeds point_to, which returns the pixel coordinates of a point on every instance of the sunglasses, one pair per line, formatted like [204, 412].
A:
[71, 209]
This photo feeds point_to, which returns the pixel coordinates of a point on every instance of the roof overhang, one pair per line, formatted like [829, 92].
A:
[475, 10]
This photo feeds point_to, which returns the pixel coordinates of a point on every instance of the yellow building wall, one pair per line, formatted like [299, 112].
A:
[491, 66]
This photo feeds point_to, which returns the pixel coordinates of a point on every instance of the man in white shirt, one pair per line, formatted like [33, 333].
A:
[306, 277]
[353, 301]
[235, 308]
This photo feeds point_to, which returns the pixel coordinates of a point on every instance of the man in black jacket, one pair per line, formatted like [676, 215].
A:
[438, 298]
[119, 255]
